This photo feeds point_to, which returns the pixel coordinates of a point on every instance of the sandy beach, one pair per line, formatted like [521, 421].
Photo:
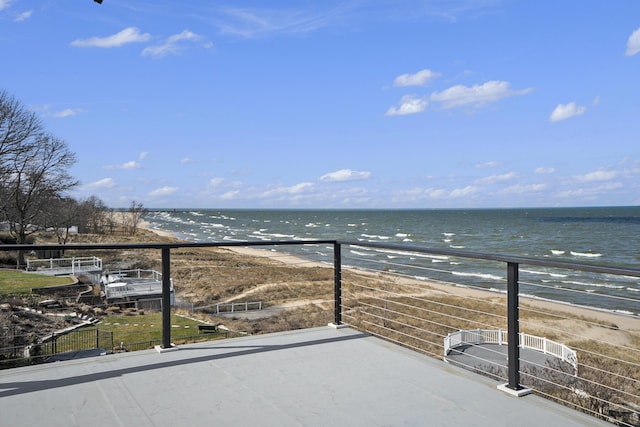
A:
[573, 322]
[583, 321]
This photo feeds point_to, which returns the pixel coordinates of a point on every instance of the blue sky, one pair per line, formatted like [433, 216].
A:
[336, 103]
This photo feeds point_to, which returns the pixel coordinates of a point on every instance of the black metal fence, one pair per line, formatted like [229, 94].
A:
[18, 350]
[145, 345]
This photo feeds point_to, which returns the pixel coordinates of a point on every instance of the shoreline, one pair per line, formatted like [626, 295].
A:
[146, 225]
[624, 322]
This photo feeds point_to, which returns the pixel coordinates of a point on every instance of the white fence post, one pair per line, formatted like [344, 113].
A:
[447, 341]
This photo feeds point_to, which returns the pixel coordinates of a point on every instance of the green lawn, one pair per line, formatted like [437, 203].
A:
[14, 282]
[146, 327]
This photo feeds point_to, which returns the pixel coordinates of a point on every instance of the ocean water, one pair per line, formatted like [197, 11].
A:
[602, 235]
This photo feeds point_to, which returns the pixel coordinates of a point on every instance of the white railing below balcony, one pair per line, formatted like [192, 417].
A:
[484, 336]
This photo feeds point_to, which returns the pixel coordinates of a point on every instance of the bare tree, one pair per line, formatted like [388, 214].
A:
[34, 170]
[132, 217]
[62, 217]
[94, 216]
[35, 177]
[19, 129]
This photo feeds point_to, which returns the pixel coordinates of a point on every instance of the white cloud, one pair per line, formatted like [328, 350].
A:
[600, 175]
[260, 22]
[408, 105]
[230, 195]
[633, 44]
[494, 179]
[566, 111]
[68, 112]
[163, 191]
[4, 4]
[476, 96]
[186, 160]
[491, 164]
[174, 44]
[126, 36]
[417, 194]
[300, 188]
[216, 181]
[420, 78]
[589, 192]
[23, 16]
[104, 183]
[143, 155]
[131, 164]
[544, 171]
[524, 188]
[463, 192]
[609, 186]
[345, 175]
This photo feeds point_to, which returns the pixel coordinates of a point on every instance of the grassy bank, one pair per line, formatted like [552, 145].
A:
[20, 283]
[145, 327]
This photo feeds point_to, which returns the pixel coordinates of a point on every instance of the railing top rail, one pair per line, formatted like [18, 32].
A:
[593, 268]
[159, 245]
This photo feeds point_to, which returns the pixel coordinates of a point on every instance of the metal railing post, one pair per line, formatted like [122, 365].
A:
[337, 282]
[513, 323]
[166, 298]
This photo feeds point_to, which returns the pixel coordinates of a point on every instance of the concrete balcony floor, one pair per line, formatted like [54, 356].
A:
[311, 377]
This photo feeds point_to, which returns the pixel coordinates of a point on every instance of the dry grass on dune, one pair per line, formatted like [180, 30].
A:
[205, 276]
[213, 275]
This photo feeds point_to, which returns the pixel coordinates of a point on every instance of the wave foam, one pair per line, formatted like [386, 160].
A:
[479, 275]
[586, 254]
[543, 273]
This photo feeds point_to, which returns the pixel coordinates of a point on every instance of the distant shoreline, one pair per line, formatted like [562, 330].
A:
[625, 323]
[162, 233]
[387, 209]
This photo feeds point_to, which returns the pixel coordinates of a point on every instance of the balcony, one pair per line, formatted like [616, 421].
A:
[385, 368]
[311, 377]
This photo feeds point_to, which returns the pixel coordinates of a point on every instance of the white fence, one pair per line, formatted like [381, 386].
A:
[232, 307]
[484, 336]
[64, 265]
[115, 275]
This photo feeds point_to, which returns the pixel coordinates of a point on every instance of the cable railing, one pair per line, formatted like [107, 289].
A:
[593, 348]
[417, 297]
